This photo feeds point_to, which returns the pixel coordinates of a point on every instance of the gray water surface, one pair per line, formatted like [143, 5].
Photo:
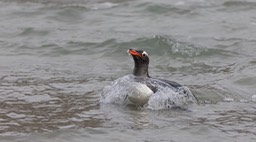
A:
[56, 56]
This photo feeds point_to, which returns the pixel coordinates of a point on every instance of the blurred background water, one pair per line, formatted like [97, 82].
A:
[56, 56]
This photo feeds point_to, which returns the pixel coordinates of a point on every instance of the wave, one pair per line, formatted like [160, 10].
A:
[166, 8]
[161, 46]
[77, 4]
[157, 46]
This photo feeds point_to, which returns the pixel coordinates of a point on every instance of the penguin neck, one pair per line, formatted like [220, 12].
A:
[140, 70]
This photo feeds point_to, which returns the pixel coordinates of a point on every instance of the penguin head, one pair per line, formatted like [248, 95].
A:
[140, 57]
[141, 62]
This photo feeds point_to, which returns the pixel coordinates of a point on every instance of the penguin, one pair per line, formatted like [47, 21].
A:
[140, 71]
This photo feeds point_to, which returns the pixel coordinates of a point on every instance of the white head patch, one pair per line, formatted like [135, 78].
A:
[144, 53]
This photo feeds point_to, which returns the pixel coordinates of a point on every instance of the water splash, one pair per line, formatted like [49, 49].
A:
[124, 89]
[167, 98]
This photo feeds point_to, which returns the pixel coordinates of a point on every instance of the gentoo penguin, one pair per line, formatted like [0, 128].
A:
[140, 71]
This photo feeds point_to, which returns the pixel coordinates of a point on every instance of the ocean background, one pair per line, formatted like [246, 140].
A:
[56, 56]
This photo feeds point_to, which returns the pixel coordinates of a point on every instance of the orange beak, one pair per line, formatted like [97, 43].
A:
[134, 52]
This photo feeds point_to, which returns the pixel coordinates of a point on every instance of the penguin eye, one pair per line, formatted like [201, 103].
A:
[144, 54]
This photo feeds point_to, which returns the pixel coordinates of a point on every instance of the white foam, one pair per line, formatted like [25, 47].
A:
[254, 98]
[104, 5]
[228, 99]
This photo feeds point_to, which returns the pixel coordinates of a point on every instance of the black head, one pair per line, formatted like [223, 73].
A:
[141, 62]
